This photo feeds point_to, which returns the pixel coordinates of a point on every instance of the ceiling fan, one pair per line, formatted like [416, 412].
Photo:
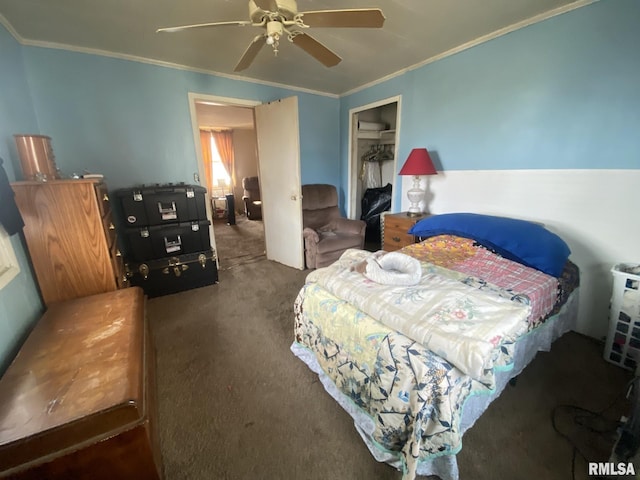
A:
[281, 17]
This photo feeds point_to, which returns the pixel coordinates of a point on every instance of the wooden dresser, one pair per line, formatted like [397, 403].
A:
[78, 401]
[394, 230]
[71, 237]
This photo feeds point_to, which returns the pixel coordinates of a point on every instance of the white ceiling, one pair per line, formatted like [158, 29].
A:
[414, 32]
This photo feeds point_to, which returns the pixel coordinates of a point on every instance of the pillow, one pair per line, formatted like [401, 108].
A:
[519, 240]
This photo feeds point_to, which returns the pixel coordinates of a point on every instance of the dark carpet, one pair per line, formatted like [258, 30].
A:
[234, 403]
[240, 243]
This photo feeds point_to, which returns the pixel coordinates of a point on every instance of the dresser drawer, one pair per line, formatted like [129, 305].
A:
[395, 228]
[396, 236]
[396, 222]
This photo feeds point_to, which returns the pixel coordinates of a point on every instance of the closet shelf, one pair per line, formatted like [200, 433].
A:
[376, 134]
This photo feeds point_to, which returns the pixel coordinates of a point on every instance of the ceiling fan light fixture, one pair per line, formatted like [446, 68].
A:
[274, 29]
[280, 17]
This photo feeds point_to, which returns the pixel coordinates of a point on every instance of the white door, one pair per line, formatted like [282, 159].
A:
[278, 137]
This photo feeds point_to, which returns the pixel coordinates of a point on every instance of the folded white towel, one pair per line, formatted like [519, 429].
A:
[375, 126]
[393, 269]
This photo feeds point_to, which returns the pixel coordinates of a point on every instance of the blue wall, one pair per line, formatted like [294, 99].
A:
[130, 121]
[20, 303]
[560, 94]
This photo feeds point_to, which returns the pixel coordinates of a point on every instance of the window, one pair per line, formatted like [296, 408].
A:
[9, 267]
[220, 176]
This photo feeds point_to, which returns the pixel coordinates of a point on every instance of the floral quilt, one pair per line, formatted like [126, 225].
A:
[458, 321]
[469, 257]
[413, 395]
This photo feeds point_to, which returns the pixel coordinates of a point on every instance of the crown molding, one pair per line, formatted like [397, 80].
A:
[473, 43]
[10, 29]
[149, 61]
[478, 41]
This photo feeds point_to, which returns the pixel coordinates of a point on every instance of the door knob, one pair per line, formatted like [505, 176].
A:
[293, 197]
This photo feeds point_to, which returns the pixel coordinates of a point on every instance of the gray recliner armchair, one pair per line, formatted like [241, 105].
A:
[327, 234]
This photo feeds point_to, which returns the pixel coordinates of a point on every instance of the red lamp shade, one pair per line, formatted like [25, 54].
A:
[418, 163]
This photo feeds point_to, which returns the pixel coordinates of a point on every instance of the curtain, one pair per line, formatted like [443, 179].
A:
[224, 143]
[205, 141]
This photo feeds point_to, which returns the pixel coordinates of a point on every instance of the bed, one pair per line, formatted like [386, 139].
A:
[416, 365]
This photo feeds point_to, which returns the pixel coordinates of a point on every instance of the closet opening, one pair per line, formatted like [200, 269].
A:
[373, 150]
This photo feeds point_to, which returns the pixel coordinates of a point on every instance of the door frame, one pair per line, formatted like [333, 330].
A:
[353, 169]
[223, 102]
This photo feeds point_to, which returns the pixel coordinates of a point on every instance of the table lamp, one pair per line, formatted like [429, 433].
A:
[418, 163]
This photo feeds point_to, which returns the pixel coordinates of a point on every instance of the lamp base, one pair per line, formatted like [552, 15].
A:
[415, 196]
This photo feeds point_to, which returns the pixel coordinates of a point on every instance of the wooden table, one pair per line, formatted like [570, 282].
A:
[395, 227]
[78, 401]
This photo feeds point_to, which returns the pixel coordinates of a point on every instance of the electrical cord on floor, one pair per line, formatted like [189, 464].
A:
[584, 421]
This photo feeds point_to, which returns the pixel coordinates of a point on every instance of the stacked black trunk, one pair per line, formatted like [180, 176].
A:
[166, 238]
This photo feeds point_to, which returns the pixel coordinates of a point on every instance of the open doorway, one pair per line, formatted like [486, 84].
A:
[228, 144]
[277, 133]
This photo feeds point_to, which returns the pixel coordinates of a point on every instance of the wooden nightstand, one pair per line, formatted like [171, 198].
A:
[394, 230]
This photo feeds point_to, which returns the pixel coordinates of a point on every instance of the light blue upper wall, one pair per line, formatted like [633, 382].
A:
[560, 94]
[130, 121]
[20, 304]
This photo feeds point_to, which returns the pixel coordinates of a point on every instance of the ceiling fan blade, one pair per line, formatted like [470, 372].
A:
[268, 5]
[201, 25]
[354, 18]
[316, 50]
[250, 53]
